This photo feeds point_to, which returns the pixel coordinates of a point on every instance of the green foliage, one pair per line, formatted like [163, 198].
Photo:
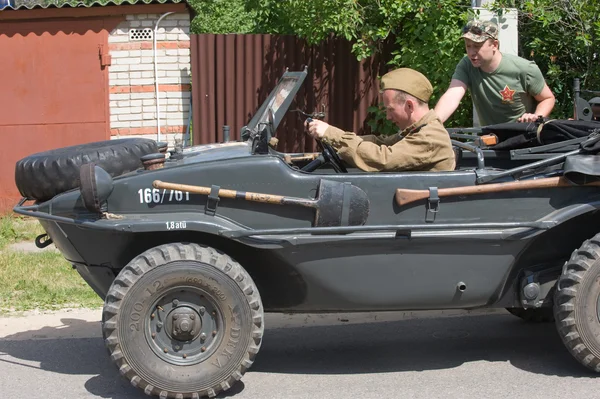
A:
[313, 20]
[425, 34]
[222, 16]
[378, 122]
[563, 38]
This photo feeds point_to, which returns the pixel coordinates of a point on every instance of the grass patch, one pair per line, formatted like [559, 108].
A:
[15, 229]
[37, 280]
[42, 280]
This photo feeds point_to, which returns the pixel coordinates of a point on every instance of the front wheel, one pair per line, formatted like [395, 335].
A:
[577, 304]
[183, 321]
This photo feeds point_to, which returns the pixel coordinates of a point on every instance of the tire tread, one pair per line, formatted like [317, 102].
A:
[576, 269]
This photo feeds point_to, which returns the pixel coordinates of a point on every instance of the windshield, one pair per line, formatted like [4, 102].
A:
[278, 100]
[283, 91]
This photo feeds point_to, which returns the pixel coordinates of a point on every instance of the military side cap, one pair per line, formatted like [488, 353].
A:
[480, 31]
[409, 81]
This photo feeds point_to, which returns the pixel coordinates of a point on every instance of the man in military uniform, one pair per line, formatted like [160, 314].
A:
[422, 144]
[504, 87]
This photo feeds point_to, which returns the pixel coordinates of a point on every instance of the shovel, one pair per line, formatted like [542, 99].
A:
[336, 204]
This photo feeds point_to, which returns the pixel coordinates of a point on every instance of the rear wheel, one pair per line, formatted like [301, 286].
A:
[539, 315]
[577, 304]
[183, 321]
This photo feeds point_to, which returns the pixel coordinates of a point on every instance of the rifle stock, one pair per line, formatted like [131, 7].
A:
[405, 196]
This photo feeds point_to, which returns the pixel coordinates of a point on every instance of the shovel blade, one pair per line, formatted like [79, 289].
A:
[340, 204]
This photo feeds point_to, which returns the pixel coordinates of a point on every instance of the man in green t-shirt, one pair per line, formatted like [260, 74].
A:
[504, 87]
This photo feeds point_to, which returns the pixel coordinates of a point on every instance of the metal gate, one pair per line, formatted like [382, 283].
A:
[53, 90]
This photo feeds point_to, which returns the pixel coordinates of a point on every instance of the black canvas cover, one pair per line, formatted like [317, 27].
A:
[555, 131]
[522, 135]
[513, 135]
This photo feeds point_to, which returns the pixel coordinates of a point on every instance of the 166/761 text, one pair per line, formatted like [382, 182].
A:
[156, 196]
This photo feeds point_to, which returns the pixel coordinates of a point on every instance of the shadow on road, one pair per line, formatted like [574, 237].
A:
[418, 345]
[396, 346]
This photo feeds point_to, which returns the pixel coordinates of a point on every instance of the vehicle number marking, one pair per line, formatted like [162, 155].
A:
[175, 225]
[155, 196]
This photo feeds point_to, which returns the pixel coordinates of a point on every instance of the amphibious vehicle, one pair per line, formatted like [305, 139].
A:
[189, 250]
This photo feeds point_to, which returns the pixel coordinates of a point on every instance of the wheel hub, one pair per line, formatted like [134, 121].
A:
[183, 324]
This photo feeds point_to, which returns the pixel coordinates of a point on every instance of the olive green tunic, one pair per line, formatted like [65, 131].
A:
[423, 146]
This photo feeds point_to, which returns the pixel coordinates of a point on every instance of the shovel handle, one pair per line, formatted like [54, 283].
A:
[246, 195]
[404, 196]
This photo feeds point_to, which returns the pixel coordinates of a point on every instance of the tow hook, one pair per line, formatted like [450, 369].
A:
[42, 241]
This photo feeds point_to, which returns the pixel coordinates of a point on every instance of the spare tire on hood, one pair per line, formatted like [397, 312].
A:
[43, 175]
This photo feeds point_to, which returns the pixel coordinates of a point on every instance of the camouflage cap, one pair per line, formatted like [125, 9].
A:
[480, 31]
[409, 81]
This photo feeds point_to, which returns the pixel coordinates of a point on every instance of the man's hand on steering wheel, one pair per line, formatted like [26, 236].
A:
[316, 129]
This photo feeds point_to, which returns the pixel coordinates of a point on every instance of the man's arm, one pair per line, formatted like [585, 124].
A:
[450, 100]
[317, 129]
[366, 155]
[545, 105]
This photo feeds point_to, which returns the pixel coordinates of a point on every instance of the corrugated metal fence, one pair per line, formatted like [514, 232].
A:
[233, 74]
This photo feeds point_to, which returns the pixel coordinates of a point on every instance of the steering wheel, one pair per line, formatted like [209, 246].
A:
[331, 156]
[328, 155]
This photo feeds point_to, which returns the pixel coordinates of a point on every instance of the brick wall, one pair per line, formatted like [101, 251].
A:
[132, 81]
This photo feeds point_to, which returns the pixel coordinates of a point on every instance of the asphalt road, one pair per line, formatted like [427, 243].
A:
[391, 355]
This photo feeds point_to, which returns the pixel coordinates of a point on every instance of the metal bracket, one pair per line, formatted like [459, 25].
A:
[473, 149]
[212, 201]
[433, 204]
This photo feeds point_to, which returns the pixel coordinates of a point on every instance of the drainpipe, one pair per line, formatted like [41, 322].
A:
[156, 76]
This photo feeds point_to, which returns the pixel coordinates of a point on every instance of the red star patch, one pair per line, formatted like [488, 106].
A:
[507, 94]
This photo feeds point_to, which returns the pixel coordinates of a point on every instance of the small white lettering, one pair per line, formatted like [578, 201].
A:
[176, 225]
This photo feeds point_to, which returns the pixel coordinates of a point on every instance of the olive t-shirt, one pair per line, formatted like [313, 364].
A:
[505, 94]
